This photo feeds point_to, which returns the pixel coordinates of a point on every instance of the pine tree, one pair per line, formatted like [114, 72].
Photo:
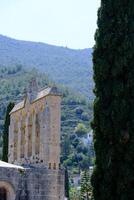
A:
[113, 123]
[85, 186]
[6, 132]
[66, 184]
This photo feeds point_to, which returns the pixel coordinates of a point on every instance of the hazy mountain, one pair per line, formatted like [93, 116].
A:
[70, 67]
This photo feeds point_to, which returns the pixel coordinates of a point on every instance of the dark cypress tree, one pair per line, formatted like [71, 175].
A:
[66, 183]
[113, 123]
[6, 132]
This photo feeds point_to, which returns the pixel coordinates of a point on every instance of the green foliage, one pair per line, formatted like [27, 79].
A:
[72, 68]
[85, 162]
[66, 184]
[85, 116]
[65, 148]
[79, 111]
[81, 130]
[86, 189]
[74, 194]
[6, 132]
[113, 122]
[12, 89]
[1, 142]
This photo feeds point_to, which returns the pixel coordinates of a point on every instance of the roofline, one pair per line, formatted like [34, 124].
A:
[15, 111]
[45, 96]
[19, 108]
[34, 102]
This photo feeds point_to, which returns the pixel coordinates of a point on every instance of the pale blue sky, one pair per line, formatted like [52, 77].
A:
[70, 23]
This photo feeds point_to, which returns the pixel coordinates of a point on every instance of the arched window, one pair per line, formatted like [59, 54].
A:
[3, 194]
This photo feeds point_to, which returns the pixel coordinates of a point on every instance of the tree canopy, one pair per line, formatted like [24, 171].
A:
[113, 122]
[6, 132]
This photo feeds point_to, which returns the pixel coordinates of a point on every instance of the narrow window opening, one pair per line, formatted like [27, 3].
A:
[49, 165]
[54, 165]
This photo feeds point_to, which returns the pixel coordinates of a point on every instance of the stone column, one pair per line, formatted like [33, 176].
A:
[33, 133]
[11, 141]
[45, 135]
[19, 140]
[26, 137]
[41, 149]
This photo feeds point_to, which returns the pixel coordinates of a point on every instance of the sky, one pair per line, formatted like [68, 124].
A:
[69, 23]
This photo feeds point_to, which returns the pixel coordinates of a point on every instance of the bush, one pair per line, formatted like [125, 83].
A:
[81, 130]
[85, 116]
[79, 111]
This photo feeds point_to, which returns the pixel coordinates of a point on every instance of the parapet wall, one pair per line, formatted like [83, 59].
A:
[32, 184]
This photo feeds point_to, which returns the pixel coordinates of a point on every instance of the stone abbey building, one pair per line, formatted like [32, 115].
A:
[33, 169]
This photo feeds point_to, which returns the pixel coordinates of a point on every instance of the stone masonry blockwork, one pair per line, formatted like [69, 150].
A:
[33, 171]
[33, 184]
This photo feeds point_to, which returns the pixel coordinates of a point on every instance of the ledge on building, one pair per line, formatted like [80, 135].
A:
[8, 165]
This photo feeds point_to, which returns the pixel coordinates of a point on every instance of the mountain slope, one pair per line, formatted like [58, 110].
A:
[75, 109]
[70, 67]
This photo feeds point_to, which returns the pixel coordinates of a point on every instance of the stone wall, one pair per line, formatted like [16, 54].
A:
[32, 184]
[34, 133]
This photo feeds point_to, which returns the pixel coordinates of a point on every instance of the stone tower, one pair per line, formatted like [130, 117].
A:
[34, 150]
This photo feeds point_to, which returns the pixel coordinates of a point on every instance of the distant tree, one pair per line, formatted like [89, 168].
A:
[79, 111]
[85, 162]
[85, 116]
[75, 142]
[6, 132]
[74, 194]
[73, 136]
[19, 67]
[86, 189]
[65, 147]
[66, 183]
[81, 148]
[81, 130]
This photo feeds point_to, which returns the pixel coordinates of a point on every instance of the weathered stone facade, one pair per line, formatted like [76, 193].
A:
[32, 183]
[34, 136]
[34, 143]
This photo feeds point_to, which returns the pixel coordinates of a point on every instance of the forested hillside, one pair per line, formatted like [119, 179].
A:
[70, 67]
[75, 118]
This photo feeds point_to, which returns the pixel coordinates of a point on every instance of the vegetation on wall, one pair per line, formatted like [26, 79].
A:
[113, 123]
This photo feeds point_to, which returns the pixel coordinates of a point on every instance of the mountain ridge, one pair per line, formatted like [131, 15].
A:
[39, 42]
[70, 67]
